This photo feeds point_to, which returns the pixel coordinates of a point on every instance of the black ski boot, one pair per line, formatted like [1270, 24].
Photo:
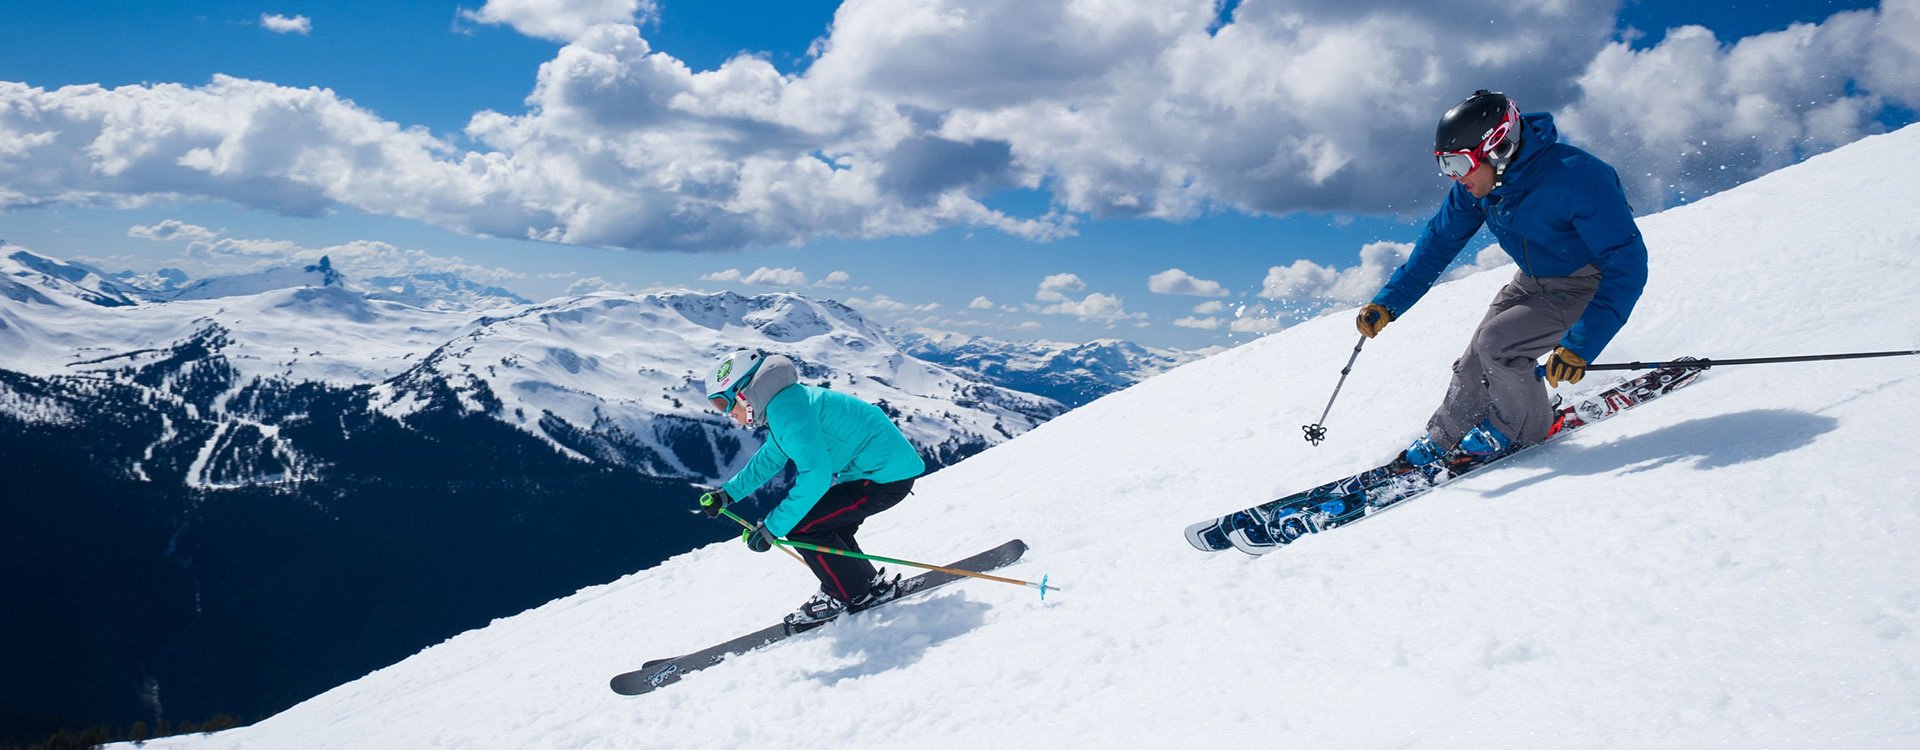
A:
[881, 589]
[817, 610]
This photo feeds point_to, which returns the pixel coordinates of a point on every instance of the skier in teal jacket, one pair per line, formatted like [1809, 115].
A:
[850, 462]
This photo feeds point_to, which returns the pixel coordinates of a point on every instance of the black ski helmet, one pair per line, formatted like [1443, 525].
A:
[1487, 124]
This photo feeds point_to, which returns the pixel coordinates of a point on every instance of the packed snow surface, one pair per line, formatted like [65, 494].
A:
[1735, 565]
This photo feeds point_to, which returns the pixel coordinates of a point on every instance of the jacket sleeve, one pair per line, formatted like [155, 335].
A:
[796, 427]
[1605, 223]
[765, 464]
[1446, 234]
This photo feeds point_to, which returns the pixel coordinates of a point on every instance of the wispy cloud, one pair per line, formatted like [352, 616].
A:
[593, 284]
[207, 252]
[885, 304]
[762, 276]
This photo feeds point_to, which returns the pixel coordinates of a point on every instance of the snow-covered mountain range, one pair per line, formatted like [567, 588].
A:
[1731, 566]
[606, 376]
[1073, 374]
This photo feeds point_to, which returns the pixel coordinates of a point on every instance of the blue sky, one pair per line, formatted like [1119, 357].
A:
[1012, 169]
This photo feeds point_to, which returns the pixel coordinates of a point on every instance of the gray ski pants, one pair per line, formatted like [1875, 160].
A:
[1494, 380]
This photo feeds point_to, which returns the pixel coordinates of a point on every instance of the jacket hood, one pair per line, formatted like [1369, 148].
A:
[775, 374]
[1540, 133]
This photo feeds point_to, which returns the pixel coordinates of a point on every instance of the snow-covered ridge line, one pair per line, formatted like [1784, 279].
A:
[621, 372]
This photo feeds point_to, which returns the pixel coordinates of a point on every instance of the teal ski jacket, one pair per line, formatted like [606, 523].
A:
[831, 438]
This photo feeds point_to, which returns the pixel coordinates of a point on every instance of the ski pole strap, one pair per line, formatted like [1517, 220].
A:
[1043, 586]
[1702, 364]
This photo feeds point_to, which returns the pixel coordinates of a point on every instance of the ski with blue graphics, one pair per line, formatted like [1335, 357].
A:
[1270, 525]
[660, 673]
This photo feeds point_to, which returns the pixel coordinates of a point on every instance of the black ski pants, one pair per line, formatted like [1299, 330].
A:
[833, 522]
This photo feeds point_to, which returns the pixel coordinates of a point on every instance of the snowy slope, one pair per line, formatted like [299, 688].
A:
[1733, 566]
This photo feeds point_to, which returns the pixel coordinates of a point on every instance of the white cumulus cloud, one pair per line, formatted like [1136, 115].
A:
[280, 24]
[912, 113]
[1311, 284]
[1094, 307]
[560, 20]
[1176, 281]
[1054, 288]
[1693, 114]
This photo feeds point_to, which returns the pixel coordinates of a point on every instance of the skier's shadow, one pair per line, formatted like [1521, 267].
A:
[898, 635]
[1711, 443]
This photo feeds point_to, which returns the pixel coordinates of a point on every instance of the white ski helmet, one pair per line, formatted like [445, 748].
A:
[732, 373]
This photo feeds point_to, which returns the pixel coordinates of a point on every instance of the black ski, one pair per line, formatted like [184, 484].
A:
[660, 673]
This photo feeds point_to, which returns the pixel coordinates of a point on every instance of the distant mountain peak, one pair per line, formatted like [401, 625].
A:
[442, 290]
[320, 274]
[1073, 374]
[29, 277]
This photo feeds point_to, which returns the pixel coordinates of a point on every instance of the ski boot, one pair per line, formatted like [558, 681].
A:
[1485, 440]
[1421, 453]
[817, 610]
[880, 590]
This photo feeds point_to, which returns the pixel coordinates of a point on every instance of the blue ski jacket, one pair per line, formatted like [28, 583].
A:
[831, 438]
[1558, 210]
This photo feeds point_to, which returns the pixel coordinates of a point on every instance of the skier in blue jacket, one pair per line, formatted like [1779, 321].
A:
[1563, 217]
[850, 462]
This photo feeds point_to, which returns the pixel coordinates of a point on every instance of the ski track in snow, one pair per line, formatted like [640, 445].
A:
[1733, 565]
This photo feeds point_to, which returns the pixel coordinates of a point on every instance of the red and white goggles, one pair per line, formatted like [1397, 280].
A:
[1456, 164]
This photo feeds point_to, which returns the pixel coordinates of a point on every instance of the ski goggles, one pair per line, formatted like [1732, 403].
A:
[722, 401]
[1456, 164]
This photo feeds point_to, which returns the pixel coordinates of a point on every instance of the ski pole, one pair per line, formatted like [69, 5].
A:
[743, 522]
[784, 544]
[1043, 586]
[1317, 431]
[1703, 364]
